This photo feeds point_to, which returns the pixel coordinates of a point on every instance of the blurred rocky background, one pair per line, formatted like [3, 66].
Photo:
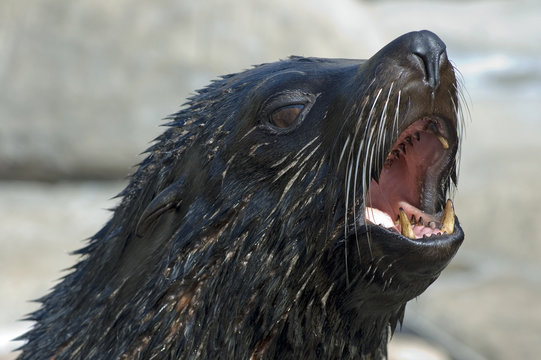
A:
[84, 84]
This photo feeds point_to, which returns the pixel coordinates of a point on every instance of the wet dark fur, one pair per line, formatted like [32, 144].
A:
[232, 239]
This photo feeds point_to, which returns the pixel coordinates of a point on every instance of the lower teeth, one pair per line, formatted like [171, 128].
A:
[447, 223]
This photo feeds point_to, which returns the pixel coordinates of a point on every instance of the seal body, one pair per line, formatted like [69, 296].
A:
[267, 222]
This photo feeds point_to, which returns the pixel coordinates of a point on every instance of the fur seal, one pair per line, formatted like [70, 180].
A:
[289, 211]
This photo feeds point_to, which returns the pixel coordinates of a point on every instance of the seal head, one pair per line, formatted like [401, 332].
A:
[289, 211]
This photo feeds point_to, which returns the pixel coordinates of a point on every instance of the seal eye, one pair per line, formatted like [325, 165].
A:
[285, 116]
[284, 111]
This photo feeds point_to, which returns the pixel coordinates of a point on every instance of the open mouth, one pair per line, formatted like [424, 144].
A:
[409, 195]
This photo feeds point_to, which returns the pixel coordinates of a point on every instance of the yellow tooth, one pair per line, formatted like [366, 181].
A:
[443, 141]
[448, 219]
[405, 225]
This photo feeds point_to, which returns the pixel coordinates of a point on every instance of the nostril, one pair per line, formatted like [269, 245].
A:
[429, 48]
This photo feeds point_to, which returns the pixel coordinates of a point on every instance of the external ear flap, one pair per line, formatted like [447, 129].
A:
[168, 199]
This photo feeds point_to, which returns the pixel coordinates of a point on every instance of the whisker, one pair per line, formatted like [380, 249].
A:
[397, 114]
[369, 179]
[359, 148]
[347, 188]
[367, 166]
[368, 136]
[343, 151]
[462, 111]
[382, 125]
[349, 144]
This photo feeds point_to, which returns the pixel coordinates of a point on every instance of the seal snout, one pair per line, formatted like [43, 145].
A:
[430, 49]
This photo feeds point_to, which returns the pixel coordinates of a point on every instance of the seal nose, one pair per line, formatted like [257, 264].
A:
[431, 50]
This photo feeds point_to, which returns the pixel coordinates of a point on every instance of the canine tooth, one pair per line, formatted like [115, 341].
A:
[448, 219]
[443, 141]
[433, 127]
[405, 225]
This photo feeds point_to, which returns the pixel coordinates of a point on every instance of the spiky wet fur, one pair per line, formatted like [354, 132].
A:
[220, 248]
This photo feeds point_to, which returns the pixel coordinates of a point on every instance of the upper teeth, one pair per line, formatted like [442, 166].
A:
[432, 126]
[443, 141]
[401, 147]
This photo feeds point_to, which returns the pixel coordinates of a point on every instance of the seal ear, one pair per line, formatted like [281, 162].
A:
[169, 198]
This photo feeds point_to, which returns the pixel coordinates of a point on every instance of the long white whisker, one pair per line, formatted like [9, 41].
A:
[359, 149]
[368, 135]
[397, 114]
[368, 145]
[348, 186]
[381, 125]
[343, 152]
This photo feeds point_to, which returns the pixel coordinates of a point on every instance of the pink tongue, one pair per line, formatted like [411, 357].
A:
[420, 231]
